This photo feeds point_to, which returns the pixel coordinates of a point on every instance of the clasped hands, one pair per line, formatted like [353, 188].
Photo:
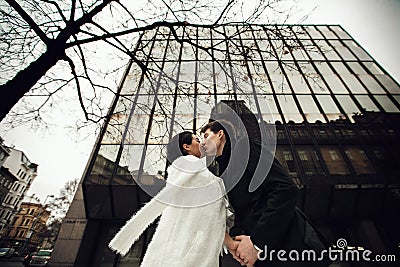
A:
[242, 249]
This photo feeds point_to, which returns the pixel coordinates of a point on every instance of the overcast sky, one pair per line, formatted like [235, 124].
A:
[375, 24]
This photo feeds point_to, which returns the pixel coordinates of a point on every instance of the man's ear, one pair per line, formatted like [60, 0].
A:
[186, 147]
[221, 133]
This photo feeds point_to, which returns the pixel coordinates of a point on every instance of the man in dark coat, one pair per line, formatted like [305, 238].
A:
[266, 219]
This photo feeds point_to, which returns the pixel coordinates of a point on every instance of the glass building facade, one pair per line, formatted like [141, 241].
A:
[336, 117]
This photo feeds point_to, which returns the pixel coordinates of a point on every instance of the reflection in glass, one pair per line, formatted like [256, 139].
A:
[386, 103]
[371, 84]
[353, 84]
[309, 108]
[340, 32]
[359, 160]
[309, 160]
[397, 97]
[358, 51]
[347, 104]
[329, 107]
[335, 84]
[314, 33]
[340, 68]
[366, 102]
[326, 32]
[103, 165]
[285, 157]
[289, 108]
[388, 83]
[342, 50]
[334, 160]
[357, 68]
[327, 50]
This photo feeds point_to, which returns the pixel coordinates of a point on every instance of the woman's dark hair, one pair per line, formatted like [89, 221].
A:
[175, 146]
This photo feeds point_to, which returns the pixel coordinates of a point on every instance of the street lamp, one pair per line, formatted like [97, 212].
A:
[34, 222]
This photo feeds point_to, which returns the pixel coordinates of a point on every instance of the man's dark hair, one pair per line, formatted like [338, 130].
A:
[216, 126]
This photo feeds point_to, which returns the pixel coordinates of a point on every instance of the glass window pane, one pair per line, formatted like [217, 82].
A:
[334, 160]
[309, 108]
[347, 104]
[366, 103]
[328, 104]
[313, 32]
[354, 85]
[371, 84]
[357, 68]
[104, 165]
[329, 107]
[389, 83]
[340, 68]
[359, 160]
[335, 84]
[324, 68]
[372, 67]
[280, 84]
[312, 50]
[358, 51]
[342, 50]
[386, 103]
[327, 50]
[131, 82]
[268, 108]
[340, 32]
[327, 32]
[289, 108]
[397, 97]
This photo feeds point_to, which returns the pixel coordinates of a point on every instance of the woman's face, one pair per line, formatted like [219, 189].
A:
[194, 147]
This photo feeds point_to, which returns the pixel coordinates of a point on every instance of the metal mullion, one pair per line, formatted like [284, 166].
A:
[213, 67]
[322, 77]
[270, 82]
[339, 142]
[308, 124]
[291, 144]
[126, 127]
[365, 87]
[251, 77]
[196, 80]
[361, 143]
[134, 102]
[175, 96]
[356, 76]
[152, 112]
[234, 85]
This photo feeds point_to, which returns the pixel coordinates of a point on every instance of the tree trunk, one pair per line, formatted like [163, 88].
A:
[12, 91]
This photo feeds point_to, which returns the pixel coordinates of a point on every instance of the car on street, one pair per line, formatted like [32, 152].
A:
[7, 252]
[41, 258]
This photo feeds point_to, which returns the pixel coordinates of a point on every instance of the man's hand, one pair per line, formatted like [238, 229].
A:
[246, 251]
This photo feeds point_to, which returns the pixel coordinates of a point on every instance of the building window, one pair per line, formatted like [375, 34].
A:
[334, 155]
[287, 155]
[349, 155]
[334, 161]
[379, 154]
[303, 155]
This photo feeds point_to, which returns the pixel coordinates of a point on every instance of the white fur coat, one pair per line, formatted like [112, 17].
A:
[193, 219]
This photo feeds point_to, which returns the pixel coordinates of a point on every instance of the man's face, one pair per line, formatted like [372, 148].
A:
[211, 143]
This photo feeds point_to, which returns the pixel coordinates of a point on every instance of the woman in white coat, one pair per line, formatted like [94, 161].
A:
[193, 209]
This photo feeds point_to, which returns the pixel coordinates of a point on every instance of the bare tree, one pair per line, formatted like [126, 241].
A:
[59, 206]
[49, 48]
